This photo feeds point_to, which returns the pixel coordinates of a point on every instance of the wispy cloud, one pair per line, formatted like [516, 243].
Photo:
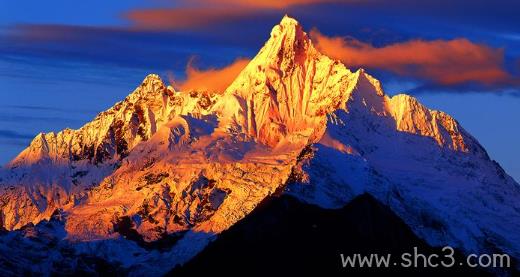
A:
[34, 108]
[445, 62]
[212, 79]
[9, 134]
[266, 4]
[123, 47]
[184, 18]
[198, 14]
[50, 109]
[9, 117]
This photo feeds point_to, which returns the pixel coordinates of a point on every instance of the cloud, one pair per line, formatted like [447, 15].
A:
[445, 62]
[183, 18]
[36, 108]
[64, 46]
[267, 4]
[49, 109]
[212, 79]
[14, 135]
[197, 14]
[14, 118]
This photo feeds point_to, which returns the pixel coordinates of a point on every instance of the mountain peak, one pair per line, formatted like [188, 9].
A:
[287, 24]
[288, 20]
[152, 77]
[289, 43]
[288, 87]
[152, 84]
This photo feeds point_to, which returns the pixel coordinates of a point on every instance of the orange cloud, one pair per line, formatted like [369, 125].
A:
[195, 14]
[183, 18]
[212, 79]
[267, 4]
[445, 62]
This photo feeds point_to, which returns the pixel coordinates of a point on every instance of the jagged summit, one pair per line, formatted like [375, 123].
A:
[289, 40]
[114, 132]
[288, 20]
[151, 87]
[288, 86]
[152, 77]
[110, 135]
[192, 164]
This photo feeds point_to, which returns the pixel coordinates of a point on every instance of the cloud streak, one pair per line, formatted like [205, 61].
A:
[213, 79]
[198, 14]
[445, 62]
[14, 135]
[173, 19]
[267, 4]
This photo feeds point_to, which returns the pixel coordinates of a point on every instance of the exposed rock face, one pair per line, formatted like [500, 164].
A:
[412, 117]
[115, 132]
[289, 87]
[58, 169]
[192, 164]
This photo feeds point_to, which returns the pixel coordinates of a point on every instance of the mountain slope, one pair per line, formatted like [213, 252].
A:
[300, 239]
[422, 164]
[190, 165]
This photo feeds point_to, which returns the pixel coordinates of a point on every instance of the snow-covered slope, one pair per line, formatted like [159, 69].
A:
[421, 163]
[192, 164]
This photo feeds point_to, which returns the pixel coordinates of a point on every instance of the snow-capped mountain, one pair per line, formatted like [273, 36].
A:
[189, 165]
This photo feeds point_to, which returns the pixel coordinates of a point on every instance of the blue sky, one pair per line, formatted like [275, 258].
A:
[62, 62]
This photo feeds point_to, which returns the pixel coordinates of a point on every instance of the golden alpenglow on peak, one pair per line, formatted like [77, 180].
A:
[288, 20]
[288, 87]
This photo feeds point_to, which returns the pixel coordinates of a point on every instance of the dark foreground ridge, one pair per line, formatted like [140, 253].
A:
[287, 236]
